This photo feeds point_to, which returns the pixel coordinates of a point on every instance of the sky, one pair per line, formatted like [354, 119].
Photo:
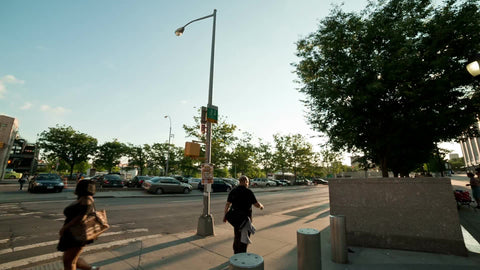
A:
[114, 68]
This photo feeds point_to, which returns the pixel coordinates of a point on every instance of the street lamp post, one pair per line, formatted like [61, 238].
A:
[169, 136]
[205, 222]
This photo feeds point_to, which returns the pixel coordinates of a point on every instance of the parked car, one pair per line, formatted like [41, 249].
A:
[137, 181]
[262, 182]
[11, 174]
[320, 181]
[46, 182]
[180, 178]
[218, 185]
[280, 183]
[287, 182]
[194, 182]
[109, 180]
[304, 182]
[231, 181]
[160, 185]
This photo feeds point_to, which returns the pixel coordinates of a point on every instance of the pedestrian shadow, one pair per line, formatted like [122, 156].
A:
[165, 261]
[143, 251]
[321, 215]
[300, 214]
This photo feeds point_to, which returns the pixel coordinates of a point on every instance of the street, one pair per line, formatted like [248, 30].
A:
[29, 229]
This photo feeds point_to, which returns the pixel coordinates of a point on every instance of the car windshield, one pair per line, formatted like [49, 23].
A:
[112, 177]
[47, 177]
[144, 177]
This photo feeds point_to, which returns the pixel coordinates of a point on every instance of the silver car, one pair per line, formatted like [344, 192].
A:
[160, 185]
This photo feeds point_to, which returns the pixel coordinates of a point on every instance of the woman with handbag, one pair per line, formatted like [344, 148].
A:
[74, 214]
[239, 208]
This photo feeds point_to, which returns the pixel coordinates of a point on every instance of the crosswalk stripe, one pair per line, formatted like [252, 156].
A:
[54, 255]
[48, 243]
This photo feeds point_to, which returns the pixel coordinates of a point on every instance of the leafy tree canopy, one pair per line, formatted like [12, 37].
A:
[67, 144]
[390, 81]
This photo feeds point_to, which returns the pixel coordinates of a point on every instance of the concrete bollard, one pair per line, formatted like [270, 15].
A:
[309, 253]
[338, 237]
[246, 261]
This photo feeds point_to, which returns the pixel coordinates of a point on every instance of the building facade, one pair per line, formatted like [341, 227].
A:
[8, 134]
[470, 151]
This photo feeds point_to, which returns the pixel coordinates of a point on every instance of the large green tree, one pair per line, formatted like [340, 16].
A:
[390, 81]
[109, 154]
[67, 144]
[137, 156]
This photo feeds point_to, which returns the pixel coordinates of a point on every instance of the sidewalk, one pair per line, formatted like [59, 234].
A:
[276, 242]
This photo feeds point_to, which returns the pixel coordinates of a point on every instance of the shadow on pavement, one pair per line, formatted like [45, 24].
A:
[470, 220]
[142, 251]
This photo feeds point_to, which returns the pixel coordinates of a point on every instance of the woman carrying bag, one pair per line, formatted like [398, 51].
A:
[75, 213]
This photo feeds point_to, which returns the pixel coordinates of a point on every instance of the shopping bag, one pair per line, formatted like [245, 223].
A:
[94, 224]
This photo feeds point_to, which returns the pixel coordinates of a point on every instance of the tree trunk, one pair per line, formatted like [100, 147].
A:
[71, 170]
[383, 164]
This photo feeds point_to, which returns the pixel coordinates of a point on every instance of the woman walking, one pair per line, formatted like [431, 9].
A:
[74, 213]
[241, 200]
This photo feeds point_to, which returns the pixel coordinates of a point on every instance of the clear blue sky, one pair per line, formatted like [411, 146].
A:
[114, 68]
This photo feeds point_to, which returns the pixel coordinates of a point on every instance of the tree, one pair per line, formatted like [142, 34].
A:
[222, 138]
[457, 164]
[294, 152]
[67, 144]
[137, 156]
[390, 82]
[265, 157]
[243, 156]
[109, 154]
[157, 156]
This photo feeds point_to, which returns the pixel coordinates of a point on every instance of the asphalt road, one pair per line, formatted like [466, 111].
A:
[30, 229]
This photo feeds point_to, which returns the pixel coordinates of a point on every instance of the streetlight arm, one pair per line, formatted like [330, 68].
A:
[199, 19]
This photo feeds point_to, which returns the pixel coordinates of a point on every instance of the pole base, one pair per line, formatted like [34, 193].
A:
[205, 225]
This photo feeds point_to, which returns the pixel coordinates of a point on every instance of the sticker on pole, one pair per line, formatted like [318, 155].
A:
[207, 173]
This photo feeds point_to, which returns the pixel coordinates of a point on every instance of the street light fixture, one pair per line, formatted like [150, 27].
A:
[474, 68]
[169, 136]
[205, 221]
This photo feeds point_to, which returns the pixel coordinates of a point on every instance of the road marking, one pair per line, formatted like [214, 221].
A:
[29, 213]
[54, 255]
[48, 243]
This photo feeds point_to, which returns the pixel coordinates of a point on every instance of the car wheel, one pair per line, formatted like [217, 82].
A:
[58, 190]
[228, 189]
[159, 191]
[268, 185]
[186, 190]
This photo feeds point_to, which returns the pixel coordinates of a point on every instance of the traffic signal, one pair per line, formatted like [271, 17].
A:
[9, 161]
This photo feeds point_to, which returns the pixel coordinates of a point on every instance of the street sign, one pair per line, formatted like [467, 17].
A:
[212, 114]
[207, 173]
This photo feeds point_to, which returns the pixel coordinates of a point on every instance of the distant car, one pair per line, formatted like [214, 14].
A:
[320, 181]
[11, 174]
[194, 182]
[46, 182]
[109, 180]
[262, 182]
[280, 183]
[231, 181]
[137, 181]
[160, 185]
[287, 182]
[180, 178]
[304, 182]
[218, 185]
